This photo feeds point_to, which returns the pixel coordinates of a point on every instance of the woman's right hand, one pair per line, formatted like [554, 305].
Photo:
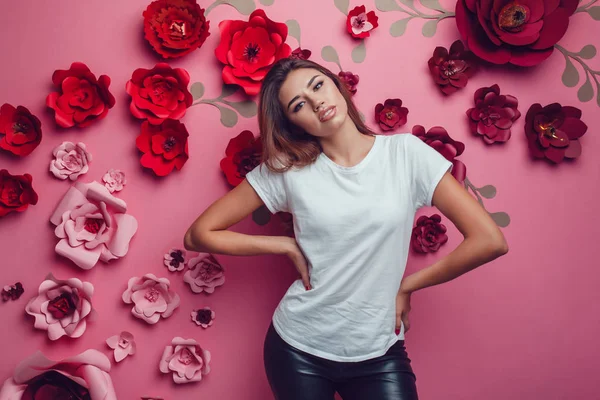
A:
[297, 257]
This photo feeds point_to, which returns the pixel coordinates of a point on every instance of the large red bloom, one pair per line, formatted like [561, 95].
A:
[16, 193]
[165, 146]
[493, 114]
[243, 154]
[249, 49]
[520, 32]
[439, 139]
[22, 130]
[390, 115]
[452, 69]
[359, 23]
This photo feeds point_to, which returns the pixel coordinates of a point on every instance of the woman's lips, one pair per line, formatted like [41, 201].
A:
[327, 113]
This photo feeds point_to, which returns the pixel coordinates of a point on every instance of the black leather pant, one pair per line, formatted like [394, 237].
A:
[297, 375]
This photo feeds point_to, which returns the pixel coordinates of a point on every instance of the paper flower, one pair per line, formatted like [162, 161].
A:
[92, 225]
[249, 49]
[159, 93]
[175, 28]
[521, 32]
[123, 345]
[390, 115]
[439, 139]
[70, 160]
[350, 80]
[81, 99]
[22, 130]
[62, 307]
[302, 54]
[359, 23]
[203, 317]
[186, 360]
[114, 180]
[242, 155]
[493, 114]
[204, 273]
[12, 292]
[174, 259]
[165, 146]
[553, 131]
[428, 234]
[451, 70]
[152, 298]
[16, 192]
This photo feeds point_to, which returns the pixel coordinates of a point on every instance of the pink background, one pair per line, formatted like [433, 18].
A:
[522, 327]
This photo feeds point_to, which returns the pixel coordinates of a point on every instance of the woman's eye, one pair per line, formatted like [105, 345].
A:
[318, 85]
[298, 106]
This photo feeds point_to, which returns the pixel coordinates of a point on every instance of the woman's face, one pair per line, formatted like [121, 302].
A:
[312, 101]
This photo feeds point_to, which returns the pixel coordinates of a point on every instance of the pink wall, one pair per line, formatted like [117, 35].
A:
[522, 327]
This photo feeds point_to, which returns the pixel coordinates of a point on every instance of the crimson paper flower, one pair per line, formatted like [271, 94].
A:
[428, 234]
[359, 23]
[302, 54]
[165, 146]
[390, 115]
[493, 114]
[243, 154]
[22, 130]
[16, 192]
[12, 292]
[350, 79]
[452, 69]
[439, 139]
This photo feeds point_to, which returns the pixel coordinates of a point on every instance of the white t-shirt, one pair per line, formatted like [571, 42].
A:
[354, 226]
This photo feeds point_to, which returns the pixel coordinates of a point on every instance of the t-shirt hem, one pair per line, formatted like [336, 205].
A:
[438, 177]
[263, 196]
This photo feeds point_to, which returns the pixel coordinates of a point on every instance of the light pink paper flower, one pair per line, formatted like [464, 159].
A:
[186, 360]
[62, 307]
[84, 376]
[204, 273]
[70, 160]
[123, 344]
[92, 225]
[203, 317]
[174, 259]
[152, 298]
[114, 180]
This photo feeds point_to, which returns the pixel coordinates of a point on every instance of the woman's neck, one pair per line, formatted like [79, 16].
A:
[348, 146]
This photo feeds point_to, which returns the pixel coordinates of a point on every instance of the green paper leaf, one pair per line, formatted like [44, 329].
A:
[328, 53]
[293, 29]
[261, 215]
[267, 2]
[408, 3]
[594, 12]
[228, 117]
[433, 5]
[429, 28]
[570, 76]
[197, 90]
[488, 191]
[387, 5]
[588, 52]
[598, 95]
[399, 27]
[359, 53]
[342, 5]
[586, 92]
[246, 108]
[244, 7]
[228, 90]
[501, 219]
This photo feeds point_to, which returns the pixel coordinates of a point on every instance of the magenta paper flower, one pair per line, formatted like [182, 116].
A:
[390, 115]
[428, 234]
[84, 376]
[360, 23]
[186, 360]
[452, 69]
[174, 259]
[203, 317]
[123, 345]
[152, 298]
[350, 80]
[302, 54]
[70, 160]
[62, 307]
[92, 225]
[12, 292]
[493, 114]
[439, 139]
[204, 273]
[114, 180]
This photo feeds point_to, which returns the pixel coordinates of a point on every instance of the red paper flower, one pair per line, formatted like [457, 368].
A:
[159, 93]
[243, 154]
[82, 99]
[12, 292]
[301, 54]
[553, 131]
[451, 70]
[390, 115]
[165, 146]
[439, 139]
[493, 114]
[428, 234]
[249, 49]
[22, 130]
[520, 32]
[360, 23]
[175, 28]
[16, 192]
[350, 79]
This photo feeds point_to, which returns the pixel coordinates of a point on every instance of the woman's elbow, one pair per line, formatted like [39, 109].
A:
[191, 241]
[498, 245]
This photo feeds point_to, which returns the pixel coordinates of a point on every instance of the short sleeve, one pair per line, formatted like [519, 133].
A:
[270, 187]
[426, 167]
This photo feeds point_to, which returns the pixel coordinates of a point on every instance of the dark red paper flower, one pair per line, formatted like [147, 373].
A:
[350, 79]
[439, 139]
[359, 23]
[54, 385]
[22, 130]
[287, 221]
[12, 292]
[520, 32]
[493, 114]
[428, 234]
[553, 131]
[16, 192]
[159, 93]
[249, 49]
[243, 154]
[451, 70]
[390, 115]
[165, 146]
[81, 99]
[175, 28]
[302, 54]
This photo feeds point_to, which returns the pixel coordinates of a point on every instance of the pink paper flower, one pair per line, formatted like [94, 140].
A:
[12, 292]
[493, 114]
[152, 298]
[84, 376]
[204, 273]
[92, 225]
[359, 23]
[62, 307]
[203, 317]
[174, 259]
[70, 160]
[123, 344]
[186, 360]
[114, 180]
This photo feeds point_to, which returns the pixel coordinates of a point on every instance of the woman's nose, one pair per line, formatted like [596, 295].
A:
[318, 105]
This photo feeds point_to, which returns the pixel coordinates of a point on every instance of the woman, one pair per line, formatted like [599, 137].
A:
[353, 196]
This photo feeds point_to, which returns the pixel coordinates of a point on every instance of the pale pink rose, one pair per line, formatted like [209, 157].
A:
[70, 160]
[186, 360]
[114, 180]
[123, 345]
[203, 317]
[62, 307]
[204, 273]
[92, 225]
[84, 376]
[174, 259]
[152, 298]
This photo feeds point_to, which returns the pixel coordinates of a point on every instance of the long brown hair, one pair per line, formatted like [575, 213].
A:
[284, 144]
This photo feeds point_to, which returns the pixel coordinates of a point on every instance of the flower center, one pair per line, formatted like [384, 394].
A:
[178, 29]
[152, 295]
[451, 67]
[123, 343]
[169, 143]
[248, 159]
[359, 22]
[61, 306]
[512, 17]
[251, 51]
[21, 127]
[159, 89]
[203, 316]
[389, 114]
[549, 130]
[93, 225]
[177, 258]
[185, 357]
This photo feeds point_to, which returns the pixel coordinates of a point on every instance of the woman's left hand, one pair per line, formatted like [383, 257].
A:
[402, 310]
